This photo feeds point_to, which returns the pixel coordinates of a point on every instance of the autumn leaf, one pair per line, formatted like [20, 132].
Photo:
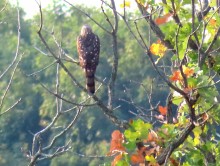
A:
[117, 135]
[176, 76]
[152, 136]
[158, 49]
[163, 19]
[188, 71]
[213, 22]
[125, 4]
[137, 158]
[162, 110]
[116, 144]
[116, 159]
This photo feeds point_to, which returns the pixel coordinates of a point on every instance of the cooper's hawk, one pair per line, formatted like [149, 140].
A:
[88, 47]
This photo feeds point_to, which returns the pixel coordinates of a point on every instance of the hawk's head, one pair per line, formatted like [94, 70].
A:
[86, 29]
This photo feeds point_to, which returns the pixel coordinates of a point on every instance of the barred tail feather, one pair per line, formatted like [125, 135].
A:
[90, 81]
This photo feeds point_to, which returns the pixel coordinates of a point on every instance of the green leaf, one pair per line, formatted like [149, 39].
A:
[212, 3]
[192, 82]
[130, 145]
[182, 48]
[186, 164]
[141, 129]
[178, 154]
[174, 57]
[197, 131]
[122, 163]
[177, 98]
[186, 2]
[131, 136]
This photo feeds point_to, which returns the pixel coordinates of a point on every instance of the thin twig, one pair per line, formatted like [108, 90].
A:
[107, 18]
[46, 67]
[4, 7]
[65, 130]
[9, 83]
[18, 45]
[87, 15]
[11, 107]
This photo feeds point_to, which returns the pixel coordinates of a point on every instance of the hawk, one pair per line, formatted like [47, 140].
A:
[88, 47]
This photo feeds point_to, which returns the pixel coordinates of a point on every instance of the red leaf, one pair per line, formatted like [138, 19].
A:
[137, 158]
[176, 76]
[163, 110]
[116, 144]
[163, 19]
[117, 135]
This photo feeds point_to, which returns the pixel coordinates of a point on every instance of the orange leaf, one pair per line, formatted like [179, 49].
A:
[213, 22]
[116, 144]
[117, 135]
[142, 150]
[116, 159]
[188, 71]
[152, 136]
[163, 19]
[137, 158]
[162, 110]
[176, 76]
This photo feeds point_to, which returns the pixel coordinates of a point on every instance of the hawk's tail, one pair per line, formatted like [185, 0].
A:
[90, 80]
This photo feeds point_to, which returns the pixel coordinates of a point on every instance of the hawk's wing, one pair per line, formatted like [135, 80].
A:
[88, 49]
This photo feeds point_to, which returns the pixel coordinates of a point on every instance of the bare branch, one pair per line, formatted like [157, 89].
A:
[87, 15]
[15, 64]
[17, 48]
[4, 7]
[46, 67]
[9, 84]
[107, 18]
[11, 107]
